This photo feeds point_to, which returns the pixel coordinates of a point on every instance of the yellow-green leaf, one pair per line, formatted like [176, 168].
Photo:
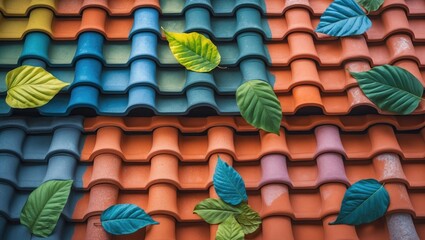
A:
[229, 230]
[194, 51]
[249, 219]
[30, 87]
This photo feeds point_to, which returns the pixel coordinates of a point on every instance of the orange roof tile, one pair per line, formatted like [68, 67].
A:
[167, 172]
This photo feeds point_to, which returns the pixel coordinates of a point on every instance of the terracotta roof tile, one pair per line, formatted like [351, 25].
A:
[167, 170]
[177, 7]
[113, 53]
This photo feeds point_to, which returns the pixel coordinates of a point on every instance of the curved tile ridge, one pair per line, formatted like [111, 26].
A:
[332, 79]
[196, 18]
[178, 7]
[221, 28]
[109, 167]
[23, 175]
[75, 7]
[247, 147]
[10, 230]
[43, 20]
[40, 142]
[298, 45]
[291, 123]
[144, 72]
[303, 99]
[307, 99]
[41, 125]
[400, 226]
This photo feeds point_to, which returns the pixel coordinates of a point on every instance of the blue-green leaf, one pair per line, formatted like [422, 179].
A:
[343, 18]
[364, 202]
[229, 184]
[122, 219]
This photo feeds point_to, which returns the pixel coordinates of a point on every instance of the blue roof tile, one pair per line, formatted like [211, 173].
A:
[32, 151]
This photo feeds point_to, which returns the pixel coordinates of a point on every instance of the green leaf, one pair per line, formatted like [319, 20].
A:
[364, 202]
[370, 5]
[391, 88]
[122, 219]
[229, 184]
[215, 211]
[259, 105]
[248, 219]
[194, 51]
[44, 207]
[30, 87]
[229, 230]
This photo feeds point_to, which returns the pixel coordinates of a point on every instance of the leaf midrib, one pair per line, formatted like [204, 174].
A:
[187, 48]
[362, 203]
[399, 89]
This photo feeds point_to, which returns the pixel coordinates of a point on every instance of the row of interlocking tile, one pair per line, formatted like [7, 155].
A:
[146, 45]
[176, 7]
[291, 196]
[115, 91]
[137, 76]
[199, 19]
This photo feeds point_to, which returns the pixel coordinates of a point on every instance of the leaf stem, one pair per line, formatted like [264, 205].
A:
[221, 67]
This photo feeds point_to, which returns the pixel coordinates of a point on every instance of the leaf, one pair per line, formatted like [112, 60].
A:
[370, 5]
[194, 51]
[229, 184]
[229, 230]
[259, 105]
[215, 211]
[122, 219]
[248, 219]
[391, 88]
[364, 202]
[30, 87]
[44, 206]
[343, 18]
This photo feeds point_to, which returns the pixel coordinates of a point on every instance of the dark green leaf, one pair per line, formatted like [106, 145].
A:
[248, 219]
[44, 206]
[391, 88]
[259, 105]
[215, 211]
[364, 202]
[370, 5]
[229, 230]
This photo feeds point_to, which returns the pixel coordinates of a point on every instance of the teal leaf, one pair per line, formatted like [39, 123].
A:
[391, 88]
[370, 5]
[343, 18]
[122, 219]
[259, 105]
[229, 230]
[364, 202]
[215, 211]
[229, 184]
[249, 219]
[44, 206]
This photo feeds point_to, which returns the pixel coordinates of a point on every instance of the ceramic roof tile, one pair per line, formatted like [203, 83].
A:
[177, 7]
[114, 53]
[172, 165]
